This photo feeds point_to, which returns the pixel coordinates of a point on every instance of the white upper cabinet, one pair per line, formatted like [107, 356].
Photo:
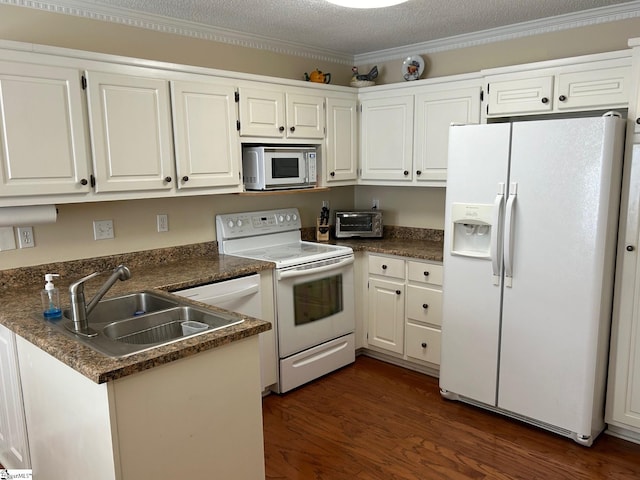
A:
[270, 112]
[43, 146]
[404, 139]
[386, 138]
[130, 121]
[341, 153]
[591, 82]
[436, 110]
[207, 147]
[305, 116]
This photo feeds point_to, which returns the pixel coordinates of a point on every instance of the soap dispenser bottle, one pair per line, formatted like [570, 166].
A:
[51, 299]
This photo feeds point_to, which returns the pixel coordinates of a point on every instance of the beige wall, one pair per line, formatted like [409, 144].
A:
[191, 219]
[605, 37]
[23, 24]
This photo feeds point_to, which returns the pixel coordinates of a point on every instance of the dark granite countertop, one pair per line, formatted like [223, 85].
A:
[164, 270]
[161, 271]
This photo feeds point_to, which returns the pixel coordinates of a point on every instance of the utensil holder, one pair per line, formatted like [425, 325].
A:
[322, 231]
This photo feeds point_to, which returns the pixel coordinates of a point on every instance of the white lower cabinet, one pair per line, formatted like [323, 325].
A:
[405, 308]
[14, 447]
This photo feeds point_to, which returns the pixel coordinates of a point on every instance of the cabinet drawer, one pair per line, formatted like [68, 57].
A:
[595, 88]
[425, 273]
[424, 305]
[423, 343]
[529, 95]
[388, 267]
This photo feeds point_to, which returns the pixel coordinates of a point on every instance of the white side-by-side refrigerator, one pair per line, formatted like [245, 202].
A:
[530, 238]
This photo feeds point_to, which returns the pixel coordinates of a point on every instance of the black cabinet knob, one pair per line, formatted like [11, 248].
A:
[185, 178]
[293, 129]
[84, 181]
[424, 344]
[545, 100]
[333, 174]
[418, 172]
[398, 292]
[425, 305]
[281, 129]
[630, 248]
[426, 274]
[562, 98]
[167, 179]
[384, 267]
[406, 172]
[638, 120]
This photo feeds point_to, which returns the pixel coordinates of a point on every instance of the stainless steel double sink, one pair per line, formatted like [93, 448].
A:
[141, 321]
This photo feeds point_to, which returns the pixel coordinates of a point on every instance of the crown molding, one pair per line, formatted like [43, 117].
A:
[185, 28]
[204, 32]
[520, 30]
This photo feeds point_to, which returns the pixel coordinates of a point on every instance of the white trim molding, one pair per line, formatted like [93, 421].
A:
[205, 32]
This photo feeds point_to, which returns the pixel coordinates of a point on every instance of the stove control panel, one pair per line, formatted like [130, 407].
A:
[248, 224]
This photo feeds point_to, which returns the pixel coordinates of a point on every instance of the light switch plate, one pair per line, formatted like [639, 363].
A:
[162, 221]
[102, 229]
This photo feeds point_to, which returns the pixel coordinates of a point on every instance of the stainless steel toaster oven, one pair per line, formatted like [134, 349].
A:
[359, 224]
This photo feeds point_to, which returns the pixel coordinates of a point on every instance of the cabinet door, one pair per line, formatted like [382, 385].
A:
[206, 139]
[131, 132]
[342, 150]
[607, 87]
[623, 389]
[386, 315]
[262, 113]
[43, 147]
[387, 138]
[305, 116]
[14, 449]
[435, 112]
[530, 95]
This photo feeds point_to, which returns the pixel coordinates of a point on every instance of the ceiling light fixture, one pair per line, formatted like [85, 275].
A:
[366, 3]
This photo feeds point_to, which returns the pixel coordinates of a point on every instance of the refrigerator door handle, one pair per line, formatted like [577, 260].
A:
[496, 234]
[508, 239]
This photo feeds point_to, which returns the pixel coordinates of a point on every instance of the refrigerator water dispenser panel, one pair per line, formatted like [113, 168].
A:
[471, 229]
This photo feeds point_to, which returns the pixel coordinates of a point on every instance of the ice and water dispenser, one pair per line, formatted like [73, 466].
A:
[472, 225]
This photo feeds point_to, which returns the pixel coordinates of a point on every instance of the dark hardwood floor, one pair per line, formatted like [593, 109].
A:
[372, 420]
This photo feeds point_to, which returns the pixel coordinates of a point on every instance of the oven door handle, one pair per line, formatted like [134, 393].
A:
[307, 271]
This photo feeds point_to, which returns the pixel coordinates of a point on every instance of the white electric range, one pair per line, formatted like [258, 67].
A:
[314, 291]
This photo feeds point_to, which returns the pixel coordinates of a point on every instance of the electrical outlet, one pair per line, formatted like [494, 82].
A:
[25, 237]
[102, 229]
[375, 203]
[162, 220]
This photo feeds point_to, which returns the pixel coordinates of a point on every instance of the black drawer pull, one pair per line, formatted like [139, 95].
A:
[426, 274]
[398, 292]
[424, 344]
[425, 305]
[384, 267]
[167, 179]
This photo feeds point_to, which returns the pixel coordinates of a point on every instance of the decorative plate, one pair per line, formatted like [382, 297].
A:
[412, 67]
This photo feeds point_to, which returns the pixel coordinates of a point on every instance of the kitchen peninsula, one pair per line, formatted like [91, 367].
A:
[187, 409]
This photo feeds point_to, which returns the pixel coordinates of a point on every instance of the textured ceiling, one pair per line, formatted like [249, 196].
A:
[320, 25]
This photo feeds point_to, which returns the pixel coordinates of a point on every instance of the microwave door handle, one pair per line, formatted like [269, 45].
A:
[308, 271]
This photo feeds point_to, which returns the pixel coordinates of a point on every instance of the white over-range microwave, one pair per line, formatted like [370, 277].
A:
[278, 167]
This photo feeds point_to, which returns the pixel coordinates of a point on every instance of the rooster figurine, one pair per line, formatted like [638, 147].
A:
[373, 73]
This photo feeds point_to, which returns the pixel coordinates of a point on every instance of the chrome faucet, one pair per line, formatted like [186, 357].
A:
[80, 310]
